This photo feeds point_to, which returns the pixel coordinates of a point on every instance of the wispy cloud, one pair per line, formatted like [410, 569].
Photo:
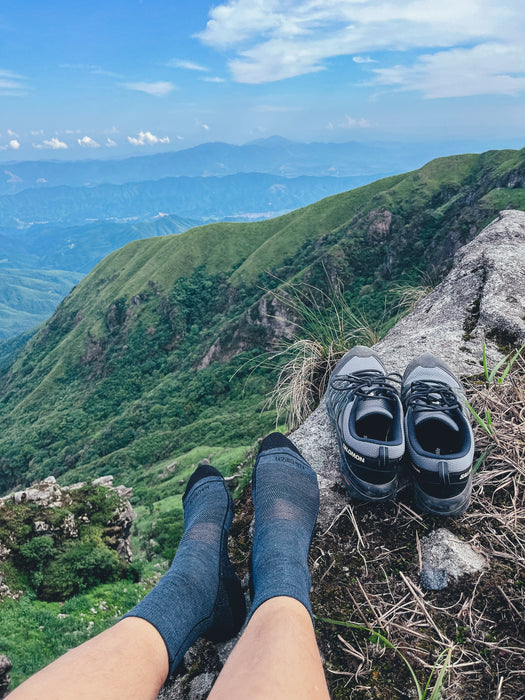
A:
[349, 123]
[187, 65]
[157, 89]
[110, 143]
[91, 69]
[278, 39]
[363, 59]
[12, 84]
[88, 142]
[213, 80]
[146, 138]
[55, 144]
[486, 69]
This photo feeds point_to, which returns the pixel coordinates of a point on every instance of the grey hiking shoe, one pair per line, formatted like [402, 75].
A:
[364, 405]
[439, 437]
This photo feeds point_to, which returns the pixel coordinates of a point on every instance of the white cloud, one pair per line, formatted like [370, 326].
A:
[486, 69]
[350, 123]
[213, 80]
[88, 142]
[12, 133]
[54, 144]
[40, 132]
[187, 65]
[110, 143]
[14, 144]
[277, 39]
[158, 89]
[146, 138]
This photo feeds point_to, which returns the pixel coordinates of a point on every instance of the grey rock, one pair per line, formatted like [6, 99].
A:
[5, 667]
[104, 481]
[201, 686]
[481, 299]
[444, 555]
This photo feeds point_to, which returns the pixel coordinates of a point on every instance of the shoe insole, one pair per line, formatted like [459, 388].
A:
[439, 438]
[374, 426]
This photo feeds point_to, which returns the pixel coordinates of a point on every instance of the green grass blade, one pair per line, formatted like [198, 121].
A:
[480, 420]
[480, 460]
[437, 691]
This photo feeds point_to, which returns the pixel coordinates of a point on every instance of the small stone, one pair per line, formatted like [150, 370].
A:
[445, 555]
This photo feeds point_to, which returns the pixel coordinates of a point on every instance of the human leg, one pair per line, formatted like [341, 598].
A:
[200, 595]
[277, 655]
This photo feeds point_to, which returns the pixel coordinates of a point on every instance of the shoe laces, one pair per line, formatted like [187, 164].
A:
[368, 383]
[430, 395]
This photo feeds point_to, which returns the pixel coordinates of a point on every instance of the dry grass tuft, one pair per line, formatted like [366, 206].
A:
[326, 327]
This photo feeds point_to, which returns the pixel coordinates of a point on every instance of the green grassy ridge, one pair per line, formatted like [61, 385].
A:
[109, 383]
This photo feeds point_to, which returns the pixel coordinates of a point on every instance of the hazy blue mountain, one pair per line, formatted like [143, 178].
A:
[244, 195]
[273, 155]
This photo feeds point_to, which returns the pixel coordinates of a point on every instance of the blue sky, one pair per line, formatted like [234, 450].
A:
[102, 78]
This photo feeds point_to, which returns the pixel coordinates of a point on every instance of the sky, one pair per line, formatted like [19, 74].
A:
[106, 78]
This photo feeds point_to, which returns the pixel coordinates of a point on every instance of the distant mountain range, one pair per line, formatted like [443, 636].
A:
[274, 155]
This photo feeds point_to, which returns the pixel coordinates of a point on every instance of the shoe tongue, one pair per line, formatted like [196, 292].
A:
[424, 416]
[372, 406]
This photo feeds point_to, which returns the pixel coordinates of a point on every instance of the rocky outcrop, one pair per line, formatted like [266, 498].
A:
[47, 496]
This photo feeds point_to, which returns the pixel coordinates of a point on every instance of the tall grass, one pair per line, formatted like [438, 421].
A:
[325, 327]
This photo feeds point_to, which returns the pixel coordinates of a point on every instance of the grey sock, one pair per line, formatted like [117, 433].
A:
[200, 594]
[286, 500]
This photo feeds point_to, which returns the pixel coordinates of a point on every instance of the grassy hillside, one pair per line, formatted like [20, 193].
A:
[111, 383]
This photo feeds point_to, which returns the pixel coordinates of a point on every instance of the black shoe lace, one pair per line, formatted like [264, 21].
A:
[430, 395]
[368, 384]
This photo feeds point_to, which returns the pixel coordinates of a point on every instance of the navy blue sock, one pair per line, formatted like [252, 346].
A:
[200, 594]
[286, 501]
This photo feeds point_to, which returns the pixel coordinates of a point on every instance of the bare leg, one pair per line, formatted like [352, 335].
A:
[128, 661]
[276, 657]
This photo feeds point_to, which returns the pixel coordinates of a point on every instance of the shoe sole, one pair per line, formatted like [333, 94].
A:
[456, 505]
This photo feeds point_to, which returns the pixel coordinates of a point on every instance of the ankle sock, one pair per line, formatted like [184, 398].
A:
[286, 501]
[200, 594]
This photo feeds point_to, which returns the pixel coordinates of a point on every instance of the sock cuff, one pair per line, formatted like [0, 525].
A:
[202, 472]
[277, 440]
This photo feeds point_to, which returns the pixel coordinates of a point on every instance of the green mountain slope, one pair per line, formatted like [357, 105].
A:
[146, 358]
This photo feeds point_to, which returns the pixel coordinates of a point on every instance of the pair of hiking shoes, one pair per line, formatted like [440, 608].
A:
[384, 421]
